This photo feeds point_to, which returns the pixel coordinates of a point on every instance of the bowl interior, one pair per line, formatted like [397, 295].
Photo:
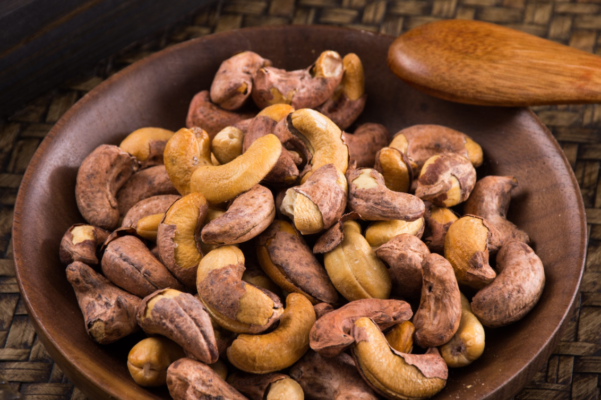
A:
[157, 91]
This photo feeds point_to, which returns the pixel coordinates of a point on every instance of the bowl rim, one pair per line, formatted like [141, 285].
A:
[60, 356]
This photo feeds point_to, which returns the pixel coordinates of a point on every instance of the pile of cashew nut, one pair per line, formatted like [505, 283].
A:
[271, 255]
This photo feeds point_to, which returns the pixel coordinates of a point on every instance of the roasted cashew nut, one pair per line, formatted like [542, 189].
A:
[400, 337]
[185, 152]
[150, 206]
[149, 182]
[227, 144]
[365, 143]
[147, 145]
[149, 359]
[80, 243]
[273, 386]
[438, 221]
[206, 115]
[382, 232]
[396, 169]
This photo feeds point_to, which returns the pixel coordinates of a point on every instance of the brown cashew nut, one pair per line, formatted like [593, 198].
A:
[331, 334]
[468, 343]
[396, 169]
[515, 291]
[446, 180]
[206, 115]
[382, 232]
[287, 260]
[392, 374]
[279, 349]
[148, 360]
[185, 152]
[467, 246]
[129, 264]
[233, 82]
[147, 145]
[404, 255]
[373, 201]
[100, 176]
[182, 318]
[305, 88]
[400, 337]
[365, 143]
[420, 142]
[109, 312]
[439, 313]
[273, 386]
[438, 221]
[348, 101]
[318, 203]
[331, 378]
[80, 243]
[149, 182]
[234, 304]
[249, 215]
[189, 379]
[148, 227]
[490, 200]
[178, 237]
[322, 309]
[150, 206]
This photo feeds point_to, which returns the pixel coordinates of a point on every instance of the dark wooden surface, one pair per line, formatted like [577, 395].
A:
[547, 205]
[572, 371]
[475, 62]
[44, 42]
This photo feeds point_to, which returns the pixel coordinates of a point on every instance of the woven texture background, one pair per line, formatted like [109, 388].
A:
[571, 373]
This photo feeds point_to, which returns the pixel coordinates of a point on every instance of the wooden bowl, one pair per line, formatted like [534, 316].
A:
[156, 92]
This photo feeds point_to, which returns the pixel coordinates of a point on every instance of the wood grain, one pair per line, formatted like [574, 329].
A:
[475, 62]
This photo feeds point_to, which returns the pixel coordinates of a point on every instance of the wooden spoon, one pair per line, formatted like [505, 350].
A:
[480, 63]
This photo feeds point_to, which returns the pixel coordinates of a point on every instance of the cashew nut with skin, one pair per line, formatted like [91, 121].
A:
[382, 232]
[354, 269]
[185, 152]
[109, 312]
[467, 345]
[234, 304]
[396, 375]
[281, 348]
[101, 174]
[150, 206]
[225, 182]
[467, 245]
[148, 360]
[182, 318]
[149, 182]
[396, 169]
[490, 200]
[515, 291]
[147, 145]
[233, 82]
[273, 386]
[438, 220]
[206, 115]
[365, 143]
[80, 243]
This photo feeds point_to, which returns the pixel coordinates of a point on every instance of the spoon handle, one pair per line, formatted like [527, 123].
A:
[479, 63]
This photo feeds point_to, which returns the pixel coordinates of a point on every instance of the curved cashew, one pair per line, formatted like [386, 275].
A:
[185, 152]
[80, 243]
[260, 354]
[227, 144]
[400, 337]
[404, 254]
[439, 313]
[307, 88]
[354, 269]
[225, 182]
[438, 220]
[234, 304]
[365, 143]
[149, 182]
[182, 318]
[446, 180]
[467, 245]
[490, 200]
[189, 379]
[396, 375]
[206, 115]
[149, 359]
[516, 289]
[468, 343]
[288, 261]
[147, 145]
[331, 334]
[421, 142]
[150, 206]
[99, 177]
[233, 82]
[109, 312]
[178, 237]
[396, 169]
[318, 203]
[348, 101]
[373, 201]
[273, 386]
[331, 378]
[381, 232]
